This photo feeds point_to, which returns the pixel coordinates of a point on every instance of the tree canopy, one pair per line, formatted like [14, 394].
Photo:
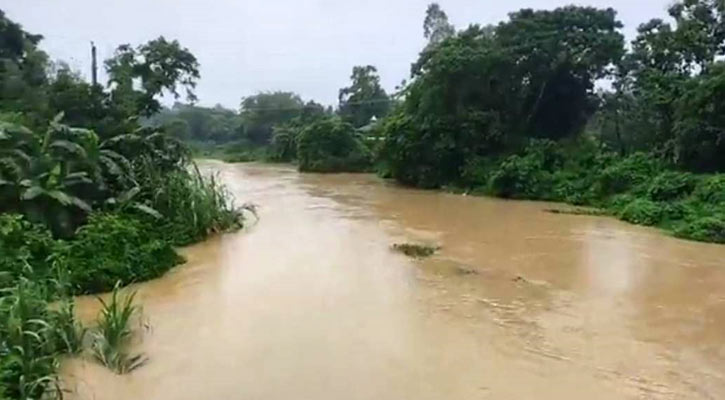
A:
[365, 98]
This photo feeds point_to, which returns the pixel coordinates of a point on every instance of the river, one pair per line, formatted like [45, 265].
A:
[519, 303]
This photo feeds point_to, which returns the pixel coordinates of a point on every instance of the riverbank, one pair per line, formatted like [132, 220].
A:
[115, 246]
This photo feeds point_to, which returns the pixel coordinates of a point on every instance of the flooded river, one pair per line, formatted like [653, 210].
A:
[311, 303]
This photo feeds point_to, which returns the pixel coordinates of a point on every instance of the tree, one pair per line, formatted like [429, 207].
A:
[700, 35]
[179, 129]
[558, 55]
[160, 66]
[330, 145]
[364, 98]
[699, 140]
[261, 112]
[485, 91]
[436, 27]
[22, 72]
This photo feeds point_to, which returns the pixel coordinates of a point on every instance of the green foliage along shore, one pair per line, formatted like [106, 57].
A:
[512, 110]
[330, 145]
[637, 188]
[89, 199]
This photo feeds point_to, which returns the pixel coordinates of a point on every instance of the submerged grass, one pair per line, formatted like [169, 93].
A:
[579, 211]
[415, 250]
[113, 333]
[194, 206]
[68, 332]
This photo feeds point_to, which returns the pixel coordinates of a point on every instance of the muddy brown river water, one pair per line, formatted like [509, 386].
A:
[519, 303]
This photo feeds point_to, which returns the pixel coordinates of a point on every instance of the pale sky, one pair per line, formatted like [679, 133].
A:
[246, 46]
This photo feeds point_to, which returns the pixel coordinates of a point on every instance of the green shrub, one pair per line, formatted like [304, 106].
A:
[642, 212]
[330, 145]
[711, 189]
[25, 249]
[671, 185]
[706, 229]
[573, 187]
[628, 174]
[521, 178]
[112, 248]
[477, 171]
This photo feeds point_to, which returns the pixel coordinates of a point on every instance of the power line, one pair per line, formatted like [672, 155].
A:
[362, 102]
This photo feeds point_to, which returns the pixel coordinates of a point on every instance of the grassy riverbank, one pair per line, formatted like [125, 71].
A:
[112, 247]
[638, 188]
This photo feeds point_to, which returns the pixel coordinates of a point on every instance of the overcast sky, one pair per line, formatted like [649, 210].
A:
[246, 46]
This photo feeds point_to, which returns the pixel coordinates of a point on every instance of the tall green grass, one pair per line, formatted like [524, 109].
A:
[194, 206]
[113, 333]
[28, 346]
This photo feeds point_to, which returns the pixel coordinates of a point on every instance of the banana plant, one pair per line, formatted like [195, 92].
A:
[60, 177]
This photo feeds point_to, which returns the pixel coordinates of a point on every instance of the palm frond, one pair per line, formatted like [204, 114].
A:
[73, 148]
[147, 210]
[129, 194]
[32, 193]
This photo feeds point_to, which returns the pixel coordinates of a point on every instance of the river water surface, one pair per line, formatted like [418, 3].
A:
[311, 303]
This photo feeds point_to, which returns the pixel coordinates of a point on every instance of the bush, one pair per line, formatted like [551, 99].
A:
[112, 248]
[671, 185]
[520, 178]
[24, 250]
[642, 212]
[527, 176]
[628, 174]
[706, 229]
[330, 145]
[711, 189]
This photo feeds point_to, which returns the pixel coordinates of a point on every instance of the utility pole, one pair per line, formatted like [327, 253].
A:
[94, 65]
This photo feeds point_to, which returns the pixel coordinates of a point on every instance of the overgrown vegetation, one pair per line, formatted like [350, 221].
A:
[511, 110]
[89, 200]
[330, 145]
[281, 127]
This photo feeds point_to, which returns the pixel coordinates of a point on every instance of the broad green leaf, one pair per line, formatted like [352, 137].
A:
[70, 147]
[129, 194]
[32, 192]
[81, 204]
[147, 210]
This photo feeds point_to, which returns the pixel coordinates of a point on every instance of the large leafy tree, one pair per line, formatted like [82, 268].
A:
[699, 131]
[159, 66]
[365, 98]
[558, 55]
[22, 72]
[486, 90]
[672, 67]
[261, 112]
[436, 26]
[205, 124]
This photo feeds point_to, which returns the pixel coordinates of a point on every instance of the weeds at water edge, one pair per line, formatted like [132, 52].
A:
[113, 334]
[415, 250]
[578, 211]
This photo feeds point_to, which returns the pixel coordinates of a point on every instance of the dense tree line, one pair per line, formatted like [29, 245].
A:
[514, 110]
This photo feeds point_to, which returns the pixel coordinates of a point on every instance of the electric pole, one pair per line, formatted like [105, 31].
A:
[94, 65]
